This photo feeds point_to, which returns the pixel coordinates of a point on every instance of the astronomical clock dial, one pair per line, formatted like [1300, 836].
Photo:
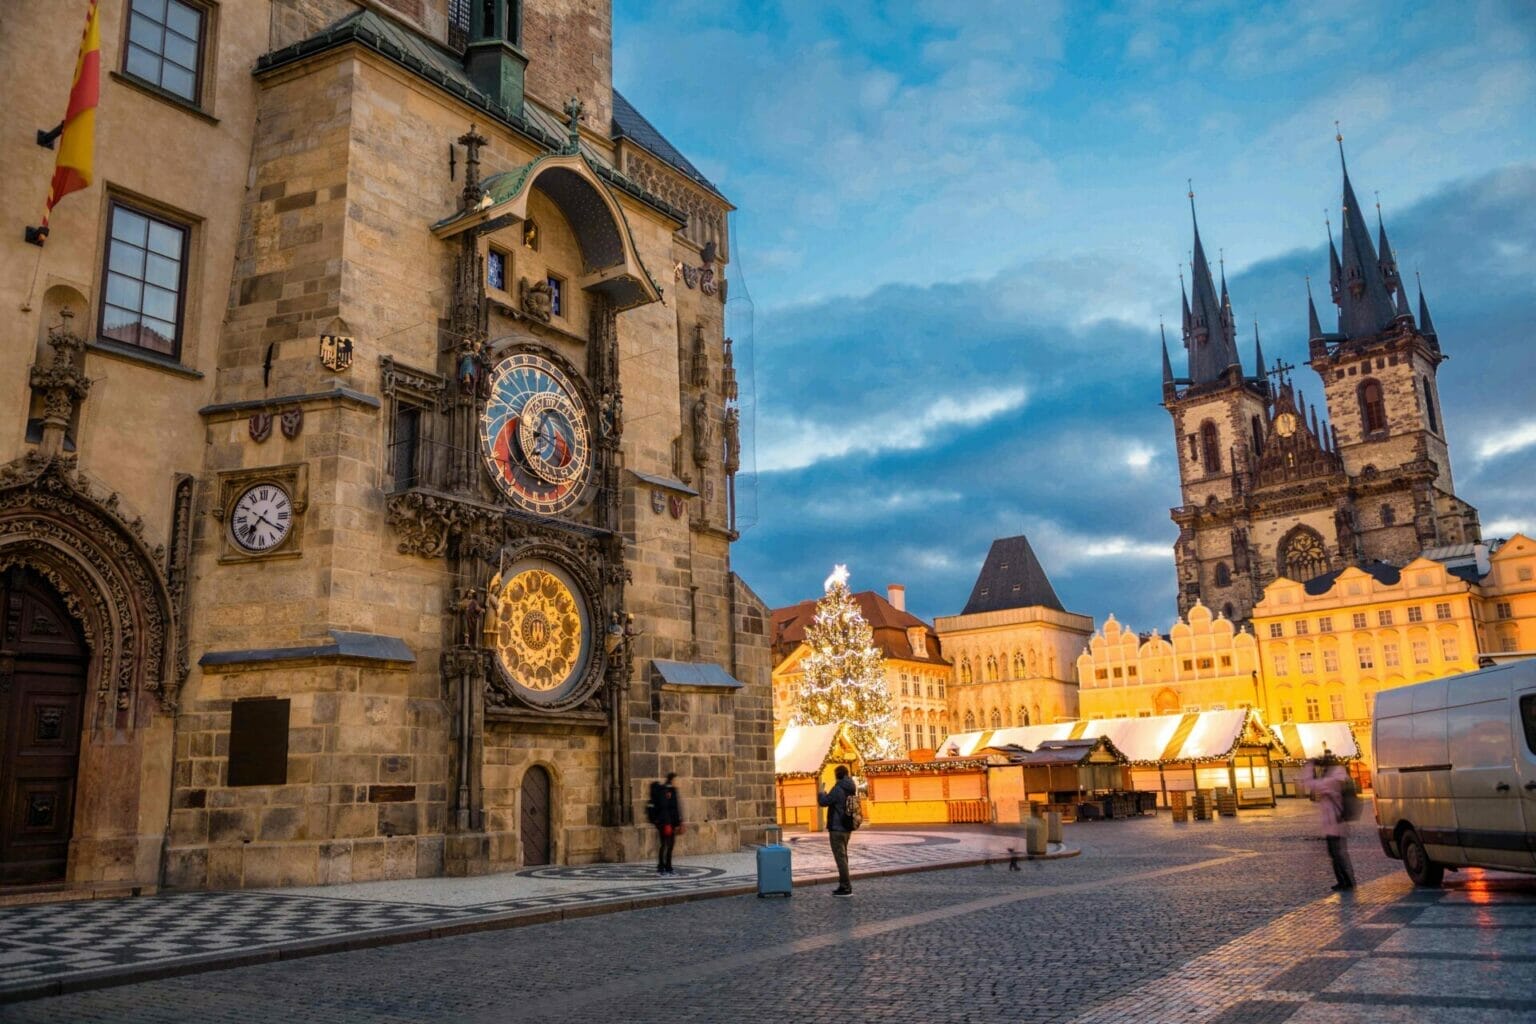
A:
[262, 518]
[535, 434]
[1285, 424]
[542, 633]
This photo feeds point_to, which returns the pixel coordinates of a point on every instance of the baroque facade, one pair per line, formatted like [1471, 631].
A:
[1270, 487]
[350, 524]
[916, 671]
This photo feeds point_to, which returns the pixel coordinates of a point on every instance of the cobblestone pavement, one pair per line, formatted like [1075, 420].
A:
[1226, 921]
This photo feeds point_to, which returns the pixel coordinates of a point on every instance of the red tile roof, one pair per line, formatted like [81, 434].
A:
[889, 624]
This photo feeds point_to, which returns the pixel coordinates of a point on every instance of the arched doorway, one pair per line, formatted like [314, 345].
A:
[534, 819]
[43, 661]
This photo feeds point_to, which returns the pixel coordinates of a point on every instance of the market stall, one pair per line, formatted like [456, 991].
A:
[803, 754]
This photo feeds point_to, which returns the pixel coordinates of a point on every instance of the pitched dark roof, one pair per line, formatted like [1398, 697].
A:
[629, 123]
[888, 623]
[1381, 572]
[1011, 577]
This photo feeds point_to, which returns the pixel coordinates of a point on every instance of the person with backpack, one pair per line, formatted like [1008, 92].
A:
[665, 811]
[843, 816]
[1334, 791]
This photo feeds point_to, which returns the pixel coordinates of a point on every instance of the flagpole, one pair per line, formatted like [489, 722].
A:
[73, 169]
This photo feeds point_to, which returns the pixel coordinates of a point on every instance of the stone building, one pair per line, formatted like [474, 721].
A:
[1014, 647]
[1203, 664]
[1270, 488]
[355, 518]
[916, 671]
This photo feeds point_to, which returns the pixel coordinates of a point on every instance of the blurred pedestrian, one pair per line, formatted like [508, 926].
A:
[840, 823]
[1329, 791]
[665, 811]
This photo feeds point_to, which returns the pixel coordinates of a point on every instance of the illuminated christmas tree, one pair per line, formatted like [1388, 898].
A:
[845, 675]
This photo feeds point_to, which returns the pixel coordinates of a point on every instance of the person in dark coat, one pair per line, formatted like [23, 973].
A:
[667, 815]
[835, 801]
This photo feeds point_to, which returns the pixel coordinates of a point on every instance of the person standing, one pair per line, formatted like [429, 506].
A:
[1328, 789]
[839, 828]
[666, 813]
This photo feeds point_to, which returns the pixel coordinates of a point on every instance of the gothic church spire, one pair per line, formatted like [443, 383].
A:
[1365, 303]
[1207, 331]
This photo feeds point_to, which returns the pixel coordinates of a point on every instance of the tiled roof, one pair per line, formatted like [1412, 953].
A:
[1381, 572]
[629, 123]
[1011, 577]
[888, 623]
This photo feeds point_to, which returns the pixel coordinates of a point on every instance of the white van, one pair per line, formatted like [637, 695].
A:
[1456, 772]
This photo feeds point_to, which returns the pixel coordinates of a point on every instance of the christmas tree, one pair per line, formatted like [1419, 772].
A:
[845, 675]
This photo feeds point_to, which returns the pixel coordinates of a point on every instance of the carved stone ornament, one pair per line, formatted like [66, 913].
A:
[426, 522]
[260, 426]
[62, 383]
[544, 640]
[658, 501]
[335, 352]
[536, 298]
[54, 521]
[703, 433]
[676, 505]
[291, 420]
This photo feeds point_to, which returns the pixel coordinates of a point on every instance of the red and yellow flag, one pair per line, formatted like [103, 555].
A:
[77, 144]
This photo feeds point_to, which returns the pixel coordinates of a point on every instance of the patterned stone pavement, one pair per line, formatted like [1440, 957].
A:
[1226, 921]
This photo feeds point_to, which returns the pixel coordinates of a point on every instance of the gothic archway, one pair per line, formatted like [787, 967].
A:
[1301, 555]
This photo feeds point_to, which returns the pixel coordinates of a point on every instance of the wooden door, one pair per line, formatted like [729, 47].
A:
[42, 699]
[535, 817]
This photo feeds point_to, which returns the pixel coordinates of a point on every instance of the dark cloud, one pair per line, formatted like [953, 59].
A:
[1085, 464]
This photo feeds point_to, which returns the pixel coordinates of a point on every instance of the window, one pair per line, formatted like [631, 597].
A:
[1023, 718]
[1508, 643]
[1282, 665]
[930, 691]
[1358, 620]
[1429, 407]
[556, 295]
[165, 44]
[1421, 652]
[1276, 630]
[1336, 706]
[1204, 663]
[1304, 663]
[1502, 610]
[906, 736]
[941, 687]
[145, 279]
[1448, 648]
[1118, 673]
[1101, 673]
[1301, 627]
[1189, 665]
[1325, 624]
[496, 270]
[1223, 575]
[1257, 429]
[404, 449]
[1287, 713]
[904, 686]
[970, 721]
[1366, 657]
[1373, 407]
[997, 719]
[933, 736]
[1314, 710]
[1131, 671]
[1443, 610]
[1415, 614]
[1388, 517]
[1389, 654]
[1301, 555]
[1330, 661]
[1226, 661]
[1210, 447]
[1384, 617]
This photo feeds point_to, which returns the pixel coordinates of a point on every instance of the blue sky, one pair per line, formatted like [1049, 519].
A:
[959, 224]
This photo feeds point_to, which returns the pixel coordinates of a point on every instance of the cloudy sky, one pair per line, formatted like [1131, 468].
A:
[960, 223]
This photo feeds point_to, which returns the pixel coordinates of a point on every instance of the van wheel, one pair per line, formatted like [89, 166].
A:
[1420, 868]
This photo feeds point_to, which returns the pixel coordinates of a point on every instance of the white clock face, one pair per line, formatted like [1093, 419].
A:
[262, 518]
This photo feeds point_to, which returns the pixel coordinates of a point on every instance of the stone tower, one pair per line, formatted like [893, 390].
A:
[1271, 488]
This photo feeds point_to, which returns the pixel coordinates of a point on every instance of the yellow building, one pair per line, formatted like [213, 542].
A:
[1508, 621]
[916, 671]
[1329, 645]
[1203, 664]
[1013, 647]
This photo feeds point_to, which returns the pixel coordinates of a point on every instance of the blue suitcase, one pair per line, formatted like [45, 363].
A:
[773, 874]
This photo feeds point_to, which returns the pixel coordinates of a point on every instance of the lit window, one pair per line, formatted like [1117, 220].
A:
[145, 277]
[1301, 627]
[930, 691]
[1276, 629]
[1384, 617]
[1189, 665]
[1448, 648]
[1330, 661]
[1415, 614]
[1304, 662]
[1287, 713]
[1314, 710]
[1367, 659]
[496, 270]
[1443, 610]
[1389, 655]
[165, 42]
[1336, 706]
[1358, 620]
[1325, 624]
[1101, 673]
[1421, 652]
[933, 736]
[1226, 661]
[1282, 667]
[904, 686]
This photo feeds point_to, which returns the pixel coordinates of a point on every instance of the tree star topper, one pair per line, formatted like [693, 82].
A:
[839, 576]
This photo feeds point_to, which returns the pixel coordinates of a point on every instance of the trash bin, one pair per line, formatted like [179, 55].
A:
[1034, 836]
[1053, 826]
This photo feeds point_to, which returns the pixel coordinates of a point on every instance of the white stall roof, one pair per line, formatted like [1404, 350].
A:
[1027, 736]
[803, 749]
[1196, 736]
[1310, 739]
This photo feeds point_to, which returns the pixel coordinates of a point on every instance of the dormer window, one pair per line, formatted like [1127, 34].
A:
[918, 638]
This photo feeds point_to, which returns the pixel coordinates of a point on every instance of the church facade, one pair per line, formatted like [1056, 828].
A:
[367, 493]
[1272, 486]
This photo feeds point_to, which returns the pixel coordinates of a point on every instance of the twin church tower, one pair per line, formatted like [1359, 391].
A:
[1270, 487]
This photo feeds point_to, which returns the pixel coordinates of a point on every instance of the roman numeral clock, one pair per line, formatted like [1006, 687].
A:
[537, 445]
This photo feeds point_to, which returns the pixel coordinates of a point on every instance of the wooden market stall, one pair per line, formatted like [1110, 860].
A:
[803, 754]
[924, 790]
[1305, 741]
[1058, 775]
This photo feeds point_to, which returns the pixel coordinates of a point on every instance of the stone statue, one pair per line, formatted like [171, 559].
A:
[471, 611]
[537, 299]
[732, 440]
[612, 409]
[700, 358]
[703, 432]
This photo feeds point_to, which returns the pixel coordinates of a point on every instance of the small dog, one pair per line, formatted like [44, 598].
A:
[1013, 860]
